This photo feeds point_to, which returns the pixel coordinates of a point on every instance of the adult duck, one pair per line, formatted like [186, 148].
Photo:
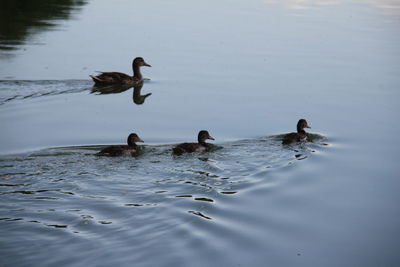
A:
[110, 78]
[201, 146]
[300, 136]
[123, 150]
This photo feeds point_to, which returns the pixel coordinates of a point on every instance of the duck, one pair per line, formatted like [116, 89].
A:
[110, 78]
[201, 146]
[123, 150]
[300, 136]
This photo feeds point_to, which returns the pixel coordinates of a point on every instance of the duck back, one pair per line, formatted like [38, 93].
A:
[107, 78]
[121, 150]
[294, 137]
[189, 148]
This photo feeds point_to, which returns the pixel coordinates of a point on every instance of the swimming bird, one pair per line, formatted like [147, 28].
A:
[108, 78]
[194, 147]
[300, 136]
[123, 150]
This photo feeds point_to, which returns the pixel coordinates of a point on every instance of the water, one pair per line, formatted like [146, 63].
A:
[245, 71]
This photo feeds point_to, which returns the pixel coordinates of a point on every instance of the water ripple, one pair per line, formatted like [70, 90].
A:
[75, 193]
[21, 90]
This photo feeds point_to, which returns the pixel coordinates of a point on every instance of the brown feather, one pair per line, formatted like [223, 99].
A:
[119, 150]
[189, 148]
[293, 137]
[107, 78]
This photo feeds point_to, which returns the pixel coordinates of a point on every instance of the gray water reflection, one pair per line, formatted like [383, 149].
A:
[387, 6]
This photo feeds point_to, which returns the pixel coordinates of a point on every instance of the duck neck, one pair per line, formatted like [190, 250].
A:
[132, 144]
[202, 142]
[136, 72]
[301, 131]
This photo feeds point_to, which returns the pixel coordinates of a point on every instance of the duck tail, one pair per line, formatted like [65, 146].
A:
[95, 79]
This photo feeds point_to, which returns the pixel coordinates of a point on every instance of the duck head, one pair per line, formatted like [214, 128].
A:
[301, 125]
[133, 138]
[139, 62]
[203, 136]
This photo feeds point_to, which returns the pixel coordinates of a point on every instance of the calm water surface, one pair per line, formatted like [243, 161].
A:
[245, 71]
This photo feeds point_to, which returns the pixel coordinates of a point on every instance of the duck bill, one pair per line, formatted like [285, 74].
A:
[211, 138]
[308, 127]
[139, 140]
[145, 64]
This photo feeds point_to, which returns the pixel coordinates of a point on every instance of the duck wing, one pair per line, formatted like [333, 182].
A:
[294, 137]
[113, 151]
[290, 137]
[112, 78]
[188, 147]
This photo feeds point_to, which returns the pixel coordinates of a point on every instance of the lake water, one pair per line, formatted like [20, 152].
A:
[244, 70]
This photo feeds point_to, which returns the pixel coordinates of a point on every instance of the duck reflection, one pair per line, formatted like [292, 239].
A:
[137, 97]
[110, 89]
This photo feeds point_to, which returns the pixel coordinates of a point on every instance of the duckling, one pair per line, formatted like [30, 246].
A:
[107, 78]
[194, 147]
[123, 150]
[300, 136]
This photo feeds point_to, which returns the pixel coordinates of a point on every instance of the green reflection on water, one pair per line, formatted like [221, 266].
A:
[19, 20]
